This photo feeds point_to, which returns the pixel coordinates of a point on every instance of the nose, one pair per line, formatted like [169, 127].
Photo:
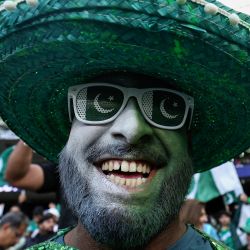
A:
[130, 126]
[205, 219]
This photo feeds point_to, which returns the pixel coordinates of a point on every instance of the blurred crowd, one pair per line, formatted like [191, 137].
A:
[29, 183]
[18, 231]
[222, 226]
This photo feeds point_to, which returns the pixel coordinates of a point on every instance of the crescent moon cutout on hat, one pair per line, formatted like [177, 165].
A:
[99, 108]
[164, 112]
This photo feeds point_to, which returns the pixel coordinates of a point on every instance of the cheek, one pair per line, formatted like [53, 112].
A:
[84, 135]
[10, 239]
[175, 142]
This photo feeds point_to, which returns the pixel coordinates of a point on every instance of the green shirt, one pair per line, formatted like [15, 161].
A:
[226, 237]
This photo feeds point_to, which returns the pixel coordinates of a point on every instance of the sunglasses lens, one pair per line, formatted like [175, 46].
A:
[164, 108]
[98, 103]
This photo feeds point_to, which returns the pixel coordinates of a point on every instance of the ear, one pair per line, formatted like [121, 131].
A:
[6, 226]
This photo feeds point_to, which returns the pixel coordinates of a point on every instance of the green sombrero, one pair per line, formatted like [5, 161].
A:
[48, 45]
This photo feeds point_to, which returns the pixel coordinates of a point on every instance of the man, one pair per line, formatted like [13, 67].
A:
[132, 71]
[46, 230]
[12, 228]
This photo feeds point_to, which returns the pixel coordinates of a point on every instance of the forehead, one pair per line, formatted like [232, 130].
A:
[224, 216]
[129, 79]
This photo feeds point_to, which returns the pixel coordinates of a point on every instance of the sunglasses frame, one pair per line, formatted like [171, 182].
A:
[128, 93]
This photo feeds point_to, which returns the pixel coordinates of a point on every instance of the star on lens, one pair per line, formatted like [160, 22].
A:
[111, 98]
[175, 104]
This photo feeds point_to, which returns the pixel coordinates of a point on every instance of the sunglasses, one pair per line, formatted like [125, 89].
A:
[100, 103]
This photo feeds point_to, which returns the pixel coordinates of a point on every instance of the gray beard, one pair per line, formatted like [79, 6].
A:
[120, 227]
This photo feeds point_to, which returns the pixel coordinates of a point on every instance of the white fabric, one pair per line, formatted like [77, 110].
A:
[193, 192]
[226, 179]
[1, 209]
[244, 215]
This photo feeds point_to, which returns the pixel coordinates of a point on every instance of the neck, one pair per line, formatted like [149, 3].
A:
[162, 241]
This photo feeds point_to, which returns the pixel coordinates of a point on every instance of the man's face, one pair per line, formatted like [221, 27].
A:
[203, 217]
[127, 179]
[225, 220]
[47, 226]
[11, 235]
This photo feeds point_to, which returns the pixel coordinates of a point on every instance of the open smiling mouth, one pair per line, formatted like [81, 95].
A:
[129, 174]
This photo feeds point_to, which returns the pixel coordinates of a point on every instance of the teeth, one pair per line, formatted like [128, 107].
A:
[117, 180]
[132, 167]
[122, 181]
[139, 181]
[111, 166]
[105, 166]
[139, 168]
[116, 165]
[124, 166]
[129, 182]
[133, 182]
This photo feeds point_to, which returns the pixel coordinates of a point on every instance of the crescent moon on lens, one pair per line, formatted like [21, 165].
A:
[99, 108]
[164, 112]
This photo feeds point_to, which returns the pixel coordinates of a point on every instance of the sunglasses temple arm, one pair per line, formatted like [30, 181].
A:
[190, 113]
[70, 102]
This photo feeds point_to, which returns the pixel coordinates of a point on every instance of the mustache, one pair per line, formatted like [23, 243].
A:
[152, 154]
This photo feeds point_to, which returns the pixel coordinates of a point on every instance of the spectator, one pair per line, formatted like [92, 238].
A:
[36, 217]
[56, 216]
[12, 228]
[193, 212]
[45, 232]
[227, 231]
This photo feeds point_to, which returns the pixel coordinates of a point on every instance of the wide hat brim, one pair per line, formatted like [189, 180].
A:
[57, 44]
